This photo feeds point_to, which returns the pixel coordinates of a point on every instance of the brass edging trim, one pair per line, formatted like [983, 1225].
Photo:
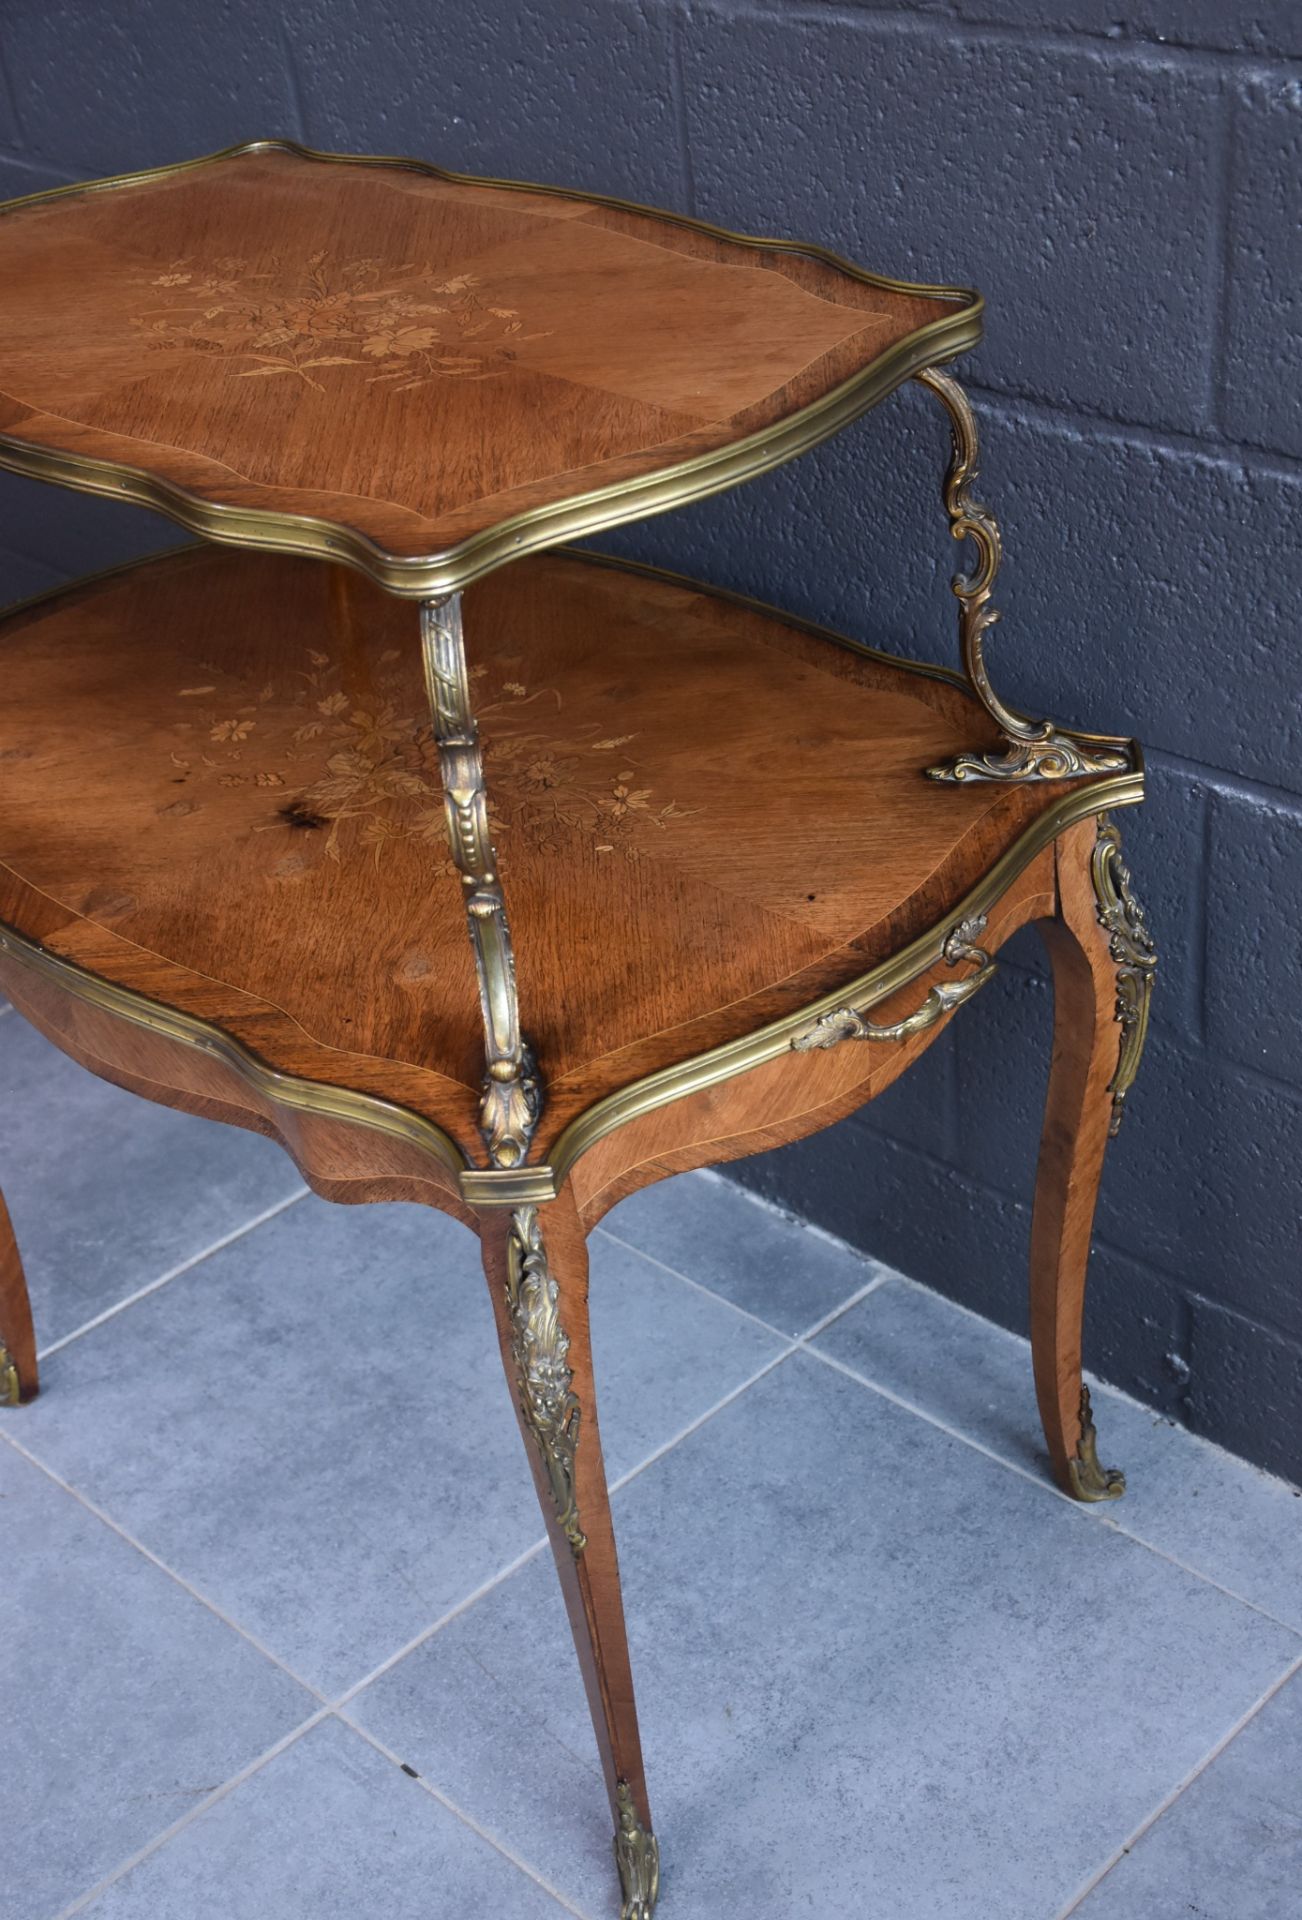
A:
[282, 1089]
[517, 1186]
[755, 1049]
[509, 1187]
[433, 575]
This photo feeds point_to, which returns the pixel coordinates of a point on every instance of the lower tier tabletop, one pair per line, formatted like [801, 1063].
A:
[219, 789]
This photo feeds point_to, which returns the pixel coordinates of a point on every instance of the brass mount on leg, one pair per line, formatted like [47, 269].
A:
[540, 1348]
[512, 1098]
[1033, 749]
[1133, 953]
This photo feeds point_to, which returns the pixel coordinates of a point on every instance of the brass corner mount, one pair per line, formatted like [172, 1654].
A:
[1031, 749]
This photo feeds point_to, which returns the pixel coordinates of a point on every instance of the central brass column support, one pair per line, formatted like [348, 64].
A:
[512, 1098]
[1035, 749]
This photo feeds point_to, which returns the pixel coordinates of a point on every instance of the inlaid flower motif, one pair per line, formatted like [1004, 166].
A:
[403, 326]
[367, 774]
[624, 800]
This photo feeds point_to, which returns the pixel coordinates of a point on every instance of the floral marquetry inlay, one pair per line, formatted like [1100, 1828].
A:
[423, 373]
[401, 325]
[364, 769]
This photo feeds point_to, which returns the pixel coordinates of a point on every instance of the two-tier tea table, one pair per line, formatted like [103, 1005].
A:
[722, 876]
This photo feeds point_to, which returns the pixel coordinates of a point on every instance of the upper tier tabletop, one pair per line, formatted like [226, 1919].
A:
[417, 372]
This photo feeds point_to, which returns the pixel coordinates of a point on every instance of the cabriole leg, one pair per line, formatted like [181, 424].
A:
[18, 1377]
[1103, 962]
[536, 1261]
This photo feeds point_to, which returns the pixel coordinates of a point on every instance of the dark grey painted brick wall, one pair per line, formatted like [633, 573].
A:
[1122, 178]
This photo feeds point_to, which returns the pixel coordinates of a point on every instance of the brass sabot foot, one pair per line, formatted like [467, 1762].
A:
[637, 1855]
[1090, 1481]
[10, 1391]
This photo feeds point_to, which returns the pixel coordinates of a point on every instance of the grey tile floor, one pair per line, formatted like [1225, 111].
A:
[278, 1636]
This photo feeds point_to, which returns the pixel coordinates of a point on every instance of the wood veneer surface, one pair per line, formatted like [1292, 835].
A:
[410, 357]
[218, 786]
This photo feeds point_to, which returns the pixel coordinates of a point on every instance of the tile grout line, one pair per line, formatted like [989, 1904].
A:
[327, 1709]
[1106, 1387]
[467, 1820]
[453, 1613]
[462, 1606]
[1146, 1825]
[791, 1346]
[697, 1286]
[1160, 1553]
[802, 1344]
[539, 1546]
[774, 1211]
[444, 1620]
[335, 1708]
[694, 1426]
[174, 1273]
[615, 1486]
[1084, 1510]
[142, 1854]
[881, 1278]
[194, 1592]
[883, 1273]
[820, 1326]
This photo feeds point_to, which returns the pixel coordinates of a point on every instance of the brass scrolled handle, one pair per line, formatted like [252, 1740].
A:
[844, 1023]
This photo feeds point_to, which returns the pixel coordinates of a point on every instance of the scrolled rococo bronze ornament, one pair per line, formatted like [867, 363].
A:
[1035, 749]
[1133, 952]
[512, 1099]
[540, 1348]
[637, 1855]
[10, 1390]
[847, 1023]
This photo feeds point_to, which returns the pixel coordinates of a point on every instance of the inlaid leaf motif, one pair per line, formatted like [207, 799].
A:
[368, 774]
[333, 314]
